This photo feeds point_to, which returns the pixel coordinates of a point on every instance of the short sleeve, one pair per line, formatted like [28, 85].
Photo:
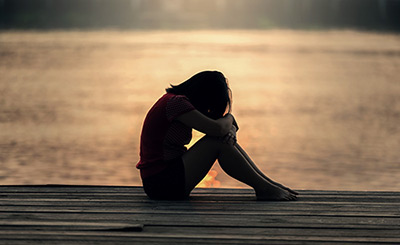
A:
[178, 105]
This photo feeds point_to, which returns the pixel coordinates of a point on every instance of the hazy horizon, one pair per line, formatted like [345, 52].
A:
[375, 15]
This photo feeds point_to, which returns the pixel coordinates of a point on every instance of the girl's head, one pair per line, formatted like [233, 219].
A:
[208, 91]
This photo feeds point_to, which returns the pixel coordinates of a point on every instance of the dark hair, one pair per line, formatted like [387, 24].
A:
[208, 91]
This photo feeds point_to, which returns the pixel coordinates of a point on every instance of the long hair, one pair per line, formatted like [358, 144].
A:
[208, 91]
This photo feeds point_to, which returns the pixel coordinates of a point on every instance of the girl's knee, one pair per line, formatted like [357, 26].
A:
[212, 139]
[218, 142]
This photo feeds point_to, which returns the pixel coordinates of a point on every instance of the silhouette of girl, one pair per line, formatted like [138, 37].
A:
[170, 171]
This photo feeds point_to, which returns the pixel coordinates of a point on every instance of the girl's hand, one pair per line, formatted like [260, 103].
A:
[230, 137]
[235, 124]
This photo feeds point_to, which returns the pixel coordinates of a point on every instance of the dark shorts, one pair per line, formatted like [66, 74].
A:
[169, 184]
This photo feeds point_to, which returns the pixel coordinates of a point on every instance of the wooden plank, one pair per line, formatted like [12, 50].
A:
[195, 201]
[138, 189]
[191, 207]
[199, 191]
[218, 220]
[220, 200]
[146, 211]
[215, 231]
[302, 192]
[121, 206]
[96, 237]
[96, 226]
[275, 231]
[208, 206]
[201, 197]
[72, 225]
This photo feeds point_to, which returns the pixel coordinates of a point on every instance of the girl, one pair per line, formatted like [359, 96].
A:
[170, 171]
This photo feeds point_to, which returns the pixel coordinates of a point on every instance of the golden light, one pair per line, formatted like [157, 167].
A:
[210, 180]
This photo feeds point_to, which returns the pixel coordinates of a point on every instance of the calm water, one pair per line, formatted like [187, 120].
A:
[317, 110]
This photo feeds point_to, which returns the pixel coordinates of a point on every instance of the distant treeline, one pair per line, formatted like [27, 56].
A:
[195, 14]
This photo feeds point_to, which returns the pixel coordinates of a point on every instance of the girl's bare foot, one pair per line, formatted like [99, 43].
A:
[284, 187]
[275, 194]
[289, 190]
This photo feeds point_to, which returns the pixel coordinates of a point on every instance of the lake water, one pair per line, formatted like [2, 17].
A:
[316, 109]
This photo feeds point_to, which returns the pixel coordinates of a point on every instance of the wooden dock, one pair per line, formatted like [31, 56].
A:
[124, 215]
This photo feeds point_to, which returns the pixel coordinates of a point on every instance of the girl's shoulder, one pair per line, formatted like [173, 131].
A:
[176, 96]
[165, 99]
[177, 99]
[177, 105]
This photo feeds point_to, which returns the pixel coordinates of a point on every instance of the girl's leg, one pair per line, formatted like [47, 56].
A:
[200, 158]
[240, 149]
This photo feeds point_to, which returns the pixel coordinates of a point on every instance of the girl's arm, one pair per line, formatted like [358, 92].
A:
[206, 125]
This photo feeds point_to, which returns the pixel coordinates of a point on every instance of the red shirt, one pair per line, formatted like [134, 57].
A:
[163, 138]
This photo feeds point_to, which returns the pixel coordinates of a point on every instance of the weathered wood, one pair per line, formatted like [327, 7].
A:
[133, 189]
[216, 231]
[98, 238]
[119, 215]
[72, 225]
[221, 219]
[178, 211]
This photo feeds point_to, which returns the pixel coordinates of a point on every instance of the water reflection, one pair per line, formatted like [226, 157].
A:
[318, 110]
